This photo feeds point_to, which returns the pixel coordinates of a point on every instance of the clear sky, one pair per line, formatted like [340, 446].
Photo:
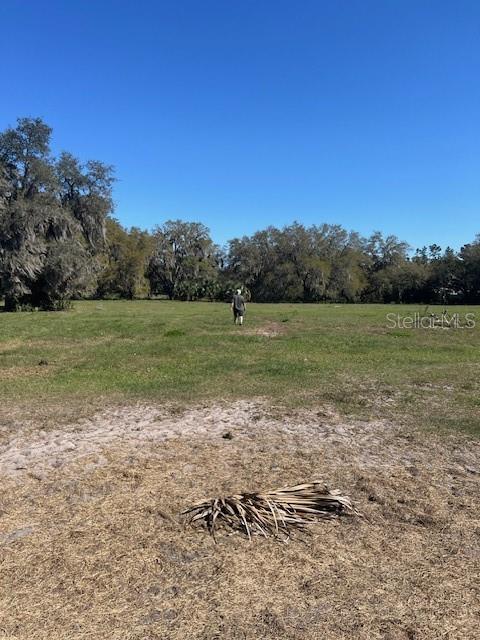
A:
[247, 113]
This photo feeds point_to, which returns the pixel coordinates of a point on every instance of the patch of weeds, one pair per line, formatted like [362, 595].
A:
[174, 333]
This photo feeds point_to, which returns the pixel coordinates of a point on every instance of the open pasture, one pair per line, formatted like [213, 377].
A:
[115, 416]
[179, 353]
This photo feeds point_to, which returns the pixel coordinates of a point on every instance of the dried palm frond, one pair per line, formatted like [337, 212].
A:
[274, 513]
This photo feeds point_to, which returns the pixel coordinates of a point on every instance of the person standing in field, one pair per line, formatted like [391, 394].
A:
[238, 307]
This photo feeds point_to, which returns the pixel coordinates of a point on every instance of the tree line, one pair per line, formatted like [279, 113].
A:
[60, 241]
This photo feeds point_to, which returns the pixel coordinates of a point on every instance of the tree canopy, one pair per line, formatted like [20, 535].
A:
[58, 240]
[52, 219]
[185, 262]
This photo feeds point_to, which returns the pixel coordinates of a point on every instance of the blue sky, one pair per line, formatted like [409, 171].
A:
[247, 113]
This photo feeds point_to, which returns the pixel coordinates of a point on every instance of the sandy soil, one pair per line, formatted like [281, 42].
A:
[86, 550]
[27, 450]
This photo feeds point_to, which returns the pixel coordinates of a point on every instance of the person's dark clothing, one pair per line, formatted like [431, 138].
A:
[238, 305]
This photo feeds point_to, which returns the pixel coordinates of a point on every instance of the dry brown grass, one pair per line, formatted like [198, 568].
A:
[12, 373]
[86, 551]
[268, 329]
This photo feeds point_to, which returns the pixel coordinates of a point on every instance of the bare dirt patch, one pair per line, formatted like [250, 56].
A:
[268, 330]
[11, 373]
[86, 552]
[10, 345]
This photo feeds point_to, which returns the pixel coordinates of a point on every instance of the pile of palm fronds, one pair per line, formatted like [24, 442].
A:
[274, 513]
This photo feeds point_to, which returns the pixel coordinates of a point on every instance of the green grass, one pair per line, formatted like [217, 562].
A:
[341, 355]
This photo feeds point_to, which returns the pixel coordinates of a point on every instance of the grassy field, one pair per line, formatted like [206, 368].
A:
[295, 355]
[116, 416]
